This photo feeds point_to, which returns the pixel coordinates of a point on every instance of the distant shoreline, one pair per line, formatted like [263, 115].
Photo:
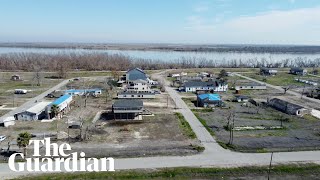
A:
[276, 49]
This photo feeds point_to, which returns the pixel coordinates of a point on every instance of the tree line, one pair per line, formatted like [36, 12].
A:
[114, 62]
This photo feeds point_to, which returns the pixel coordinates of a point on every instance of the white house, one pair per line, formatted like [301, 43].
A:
[37, 112]
[138, 86]
[136, 95]
[216, 86]
[250, 86]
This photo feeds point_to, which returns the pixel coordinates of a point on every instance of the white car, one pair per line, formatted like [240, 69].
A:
[2, 138]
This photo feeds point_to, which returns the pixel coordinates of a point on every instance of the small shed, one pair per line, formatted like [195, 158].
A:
[16, 77]
[8, 121]
[75, 125]
[241, 98]
[298, 71]
[268, 71]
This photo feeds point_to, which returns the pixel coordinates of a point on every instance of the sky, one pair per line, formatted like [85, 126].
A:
[161, 21]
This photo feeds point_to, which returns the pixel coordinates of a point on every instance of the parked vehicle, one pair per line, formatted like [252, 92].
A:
[20, 91]
[2, 138]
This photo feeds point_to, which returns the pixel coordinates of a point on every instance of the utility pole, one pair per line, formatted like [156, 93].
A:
[68, 132]
[304, 86]
[269, 170]
[13, 99]
[175, 103]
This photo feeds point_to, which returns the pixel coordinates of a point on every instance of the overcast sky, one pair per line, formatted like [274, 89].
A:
[161, 21]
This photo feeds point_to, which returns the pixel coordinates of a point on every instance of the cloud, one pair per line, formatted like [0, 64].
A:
[292, 1]
[200, 9]
[300, 26]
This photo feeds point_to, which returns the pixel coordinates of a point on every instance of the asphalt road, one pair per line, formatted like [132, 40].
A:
[213, 155]
[32, 101]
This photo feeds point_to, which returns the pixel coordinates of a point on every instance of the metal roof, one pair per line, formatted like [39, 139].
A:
[134, 93]
[39, 107]
[135, 70]
[199, 84]
[285, 105]
[140, 81]
[128, 103]
[81, 90]
[61, 99]
[249, 83]
[135, 74]
[133, 77]
[211, 97]
[297, 69]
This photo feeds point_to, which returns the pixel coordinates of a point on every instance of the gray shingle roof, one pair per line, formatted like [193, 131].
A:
[296, 69]
[135, 93]
[135, 74]
[199, 84]
[128, 103]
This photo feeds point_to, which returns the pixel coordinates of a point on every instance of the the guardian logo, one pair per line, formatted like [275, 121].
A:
[58, 160]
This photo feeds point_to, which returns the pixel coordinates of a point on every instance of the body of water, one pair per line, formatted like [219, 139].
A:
[170, 55]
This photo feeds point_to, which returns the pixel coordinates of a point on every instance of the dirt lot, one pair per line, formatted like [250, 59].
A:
[10, 100]
[159, 134]
[298, 133]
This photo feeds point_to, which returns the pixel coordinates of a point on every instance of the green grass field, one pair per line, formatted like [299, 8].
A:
[281, 79]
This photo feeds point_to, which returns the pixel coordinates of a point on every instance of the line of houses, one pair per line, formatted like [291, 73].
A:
[272, 71]
[44, 109]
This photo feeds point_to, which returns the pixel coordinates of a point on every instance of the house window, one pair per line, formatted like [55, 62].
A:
[141, 95]
[124, 95]
[132, 95]
[251, 87]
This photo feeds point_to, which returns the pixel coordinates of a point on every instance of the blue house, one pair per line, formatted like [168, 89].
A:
[81, 92]
[208, 100]
[63, 104]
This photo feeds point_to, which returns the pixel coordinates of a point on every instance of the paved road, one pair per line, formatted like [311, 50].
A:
[213, 156]
[32, 101]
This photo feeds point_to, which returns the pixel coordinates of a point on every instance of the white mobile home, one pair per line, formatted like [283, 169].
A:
[37, 112]
[250, 86]
[135, 95]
